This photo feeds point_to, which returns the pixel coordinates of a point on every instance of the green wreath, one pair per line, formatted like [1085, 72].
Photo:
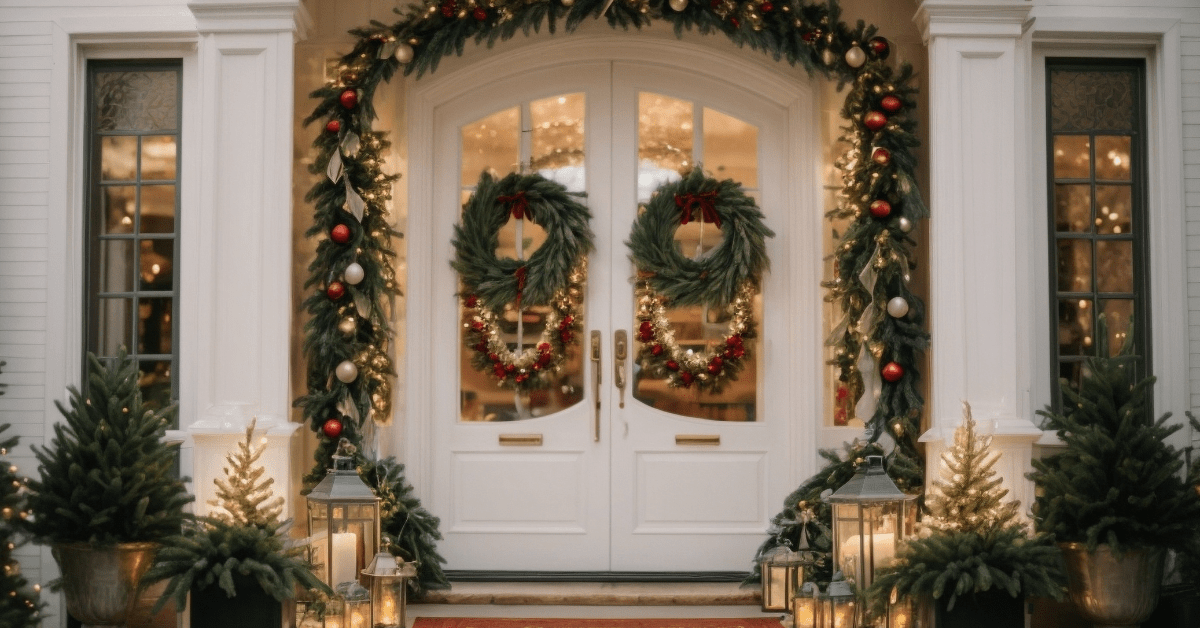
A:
[534, 281]
[715, 280]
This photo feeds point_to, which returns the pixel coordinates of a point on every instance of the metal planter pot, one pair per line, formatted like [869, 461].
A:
[1110, 590]
[100, 584]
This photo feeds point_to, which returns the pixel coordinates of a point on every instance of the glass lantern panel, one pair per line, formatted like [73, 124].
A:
[358, 614]
[777, 586]
[388, 596]
[885, 534]
[805, 612]
[842, 613]
[847, 539]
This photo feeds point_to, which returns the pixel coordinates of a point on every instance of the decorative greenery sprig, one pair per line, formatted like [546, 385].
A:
[245, 537]
[410, 530]
[107, 477]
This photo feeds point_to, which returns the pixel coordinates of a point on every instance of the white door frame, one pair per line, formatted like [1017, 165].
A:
[799, 258]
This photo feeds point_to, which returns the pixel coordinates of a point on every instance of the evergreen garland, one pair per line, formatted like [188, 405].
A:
[971, 541]
[243, 537]
[872, 262]
[1118, 480]
[107, 477]
[410, 530]
[20, 603]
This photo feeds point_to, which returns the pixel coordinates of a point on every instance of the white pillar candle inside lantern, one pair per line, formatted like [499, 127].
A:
[870, 518]
[343, 521]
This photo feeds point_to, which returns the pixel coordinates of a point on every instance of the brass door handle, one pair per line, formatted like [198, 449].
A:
[530, 440]
[599, 377]
[698, 439]
[620, 353]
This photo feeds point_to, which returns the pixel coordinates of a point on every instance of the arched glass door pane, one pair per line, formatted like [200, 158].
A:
[671, 134]
[545, 135]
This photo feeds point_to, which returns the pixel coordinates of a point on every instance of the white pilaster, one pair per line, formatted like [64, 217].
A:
[242, 310]
[978, 242]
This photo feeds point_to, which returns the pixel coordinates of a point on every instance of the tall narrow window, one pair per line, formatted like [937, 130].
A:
[1097, 210]
[132, 218]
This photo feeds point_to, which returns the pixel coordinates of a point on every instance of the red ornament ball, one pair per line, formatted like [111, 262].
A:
[736, 22]
[672, 365]
[892, 372]
[881, 208]
[498, 370]
[881, 156]
[874, 120]
[891, 104]
[336, 290]
[449, 9]
[656, 350]
[333, 126]
[472, 301]
[687, 379]
[766, 7]
[879, 47]
[349, 99]
[340, 234]
[479, 13]
[332, 428]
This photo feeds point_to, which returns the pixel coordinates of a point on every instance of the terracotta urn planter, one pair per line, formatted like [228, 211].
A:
[1111, 590]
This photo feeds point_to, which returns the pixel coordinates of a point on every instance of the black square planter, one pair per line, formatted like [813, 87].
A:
[990, 609]
[250, 608]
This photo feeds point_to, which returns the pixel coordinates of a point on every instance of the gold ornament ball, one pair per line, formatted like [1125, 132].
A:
[905, 225]
[404, 53]
[567, 3]
[828, 58]
[897, 307]
[679, 5]
[348, 325]
[346, 372]
[855, 57]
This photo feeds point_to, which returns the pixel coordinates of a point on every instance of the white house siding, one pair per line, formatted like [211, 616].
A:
[1190, 62]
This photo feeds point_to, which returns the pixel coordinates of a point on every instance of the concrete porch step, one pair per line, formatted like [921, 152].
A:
[598, 594]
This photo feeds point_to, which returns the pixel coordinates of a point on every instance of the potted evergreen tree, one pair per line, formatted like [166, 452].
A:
[973, 559]
[20, 603]
[107, 494]
[238, 563]
[1114, 497]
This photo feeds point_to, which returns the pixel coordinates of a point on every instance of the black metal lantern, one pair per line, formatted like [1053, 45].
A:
[806, 607]
[837, 607]
[781, 571]
[343, 521]
[387, 581]
[871, 516]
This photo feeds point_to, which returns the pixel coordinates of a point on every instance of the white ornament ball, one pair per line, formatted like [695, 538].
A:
[404, 53]
[679, 5]
[855, 57]
[346, 372]
[897, 307]
[828, 58]
[354, 274]
[905, 225]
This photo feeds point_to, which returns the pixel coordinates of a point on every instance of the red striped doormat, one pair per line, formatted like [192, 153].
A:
[491, 622]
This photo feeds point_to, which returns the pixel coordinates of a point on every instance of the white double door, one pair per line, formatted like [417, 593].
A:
[601, 486]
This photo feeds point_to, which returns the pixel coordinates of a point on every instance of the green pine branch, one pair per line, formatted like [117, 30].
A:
[243, 497]
[20, 603]
[410, 530]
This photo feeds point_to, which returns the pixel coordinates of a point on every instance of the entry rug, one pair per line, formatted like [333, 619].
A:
[492, 622]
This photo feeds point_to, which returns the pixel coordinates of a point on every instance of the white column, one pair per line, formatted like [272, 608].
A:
[235, 342]
[980, 249]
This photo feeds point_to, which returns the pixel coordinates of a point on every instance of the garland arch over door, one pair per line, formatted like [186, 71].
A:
[351, 330]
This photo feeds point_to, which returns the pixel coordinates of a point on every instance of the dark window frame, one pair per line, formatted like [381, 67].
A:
[93, 220]
[1139, 216]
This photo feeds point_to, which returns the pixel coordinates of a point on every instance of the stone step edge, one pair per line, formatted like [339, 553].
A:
[731, 597]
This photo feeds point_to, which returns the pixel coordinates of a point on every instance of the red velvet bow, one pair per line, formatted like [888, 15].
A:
[518, 204]
[705, 202]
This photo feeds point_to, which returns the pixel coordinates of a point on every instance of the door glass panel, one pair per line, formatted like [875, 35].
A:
[557, 140]
[730, 148]
[556, 151]
[666, 128]
[1113, 157]
[1074, 265]
[1113, 204]
[1072, 157]
[1073, 208]
[665, 149]
[491, 144]
[1075, 327]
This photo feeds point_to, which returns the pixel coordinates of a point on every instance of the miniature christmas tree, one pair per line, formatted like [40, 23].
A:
[243, 539]
[19, 603]
[241, 498]
[972, 541]
[970, 498]
[1117, 481]
[108, 475]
